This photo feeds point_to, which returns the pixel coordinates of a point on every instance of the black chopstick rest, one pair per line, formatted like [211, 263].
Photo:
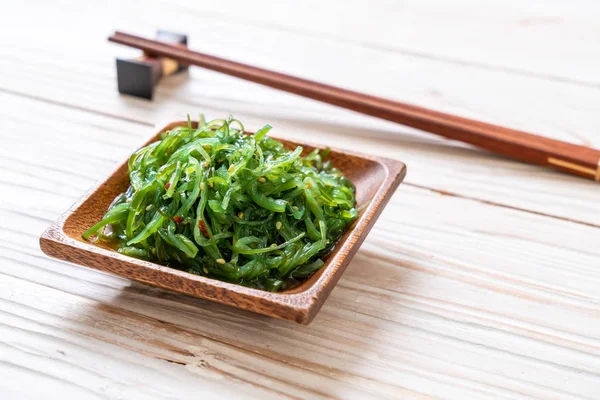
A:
[137, 77]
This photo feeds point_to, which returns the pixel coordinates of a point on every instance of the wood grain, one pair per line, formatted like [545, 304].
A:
[507, 31]
[412, 288]
[559, 109]
[469, 308]
[474, 283]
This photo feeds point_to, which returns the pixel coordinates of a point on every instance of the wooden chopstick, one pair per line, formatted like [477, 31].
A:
[527, 147]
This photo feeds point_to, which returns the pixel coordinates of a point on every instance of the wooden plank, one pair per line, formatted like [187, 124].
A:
[424, 310]
[68, 347]
[556, 109]
[500, 36]
[58, 314]
[448, 297]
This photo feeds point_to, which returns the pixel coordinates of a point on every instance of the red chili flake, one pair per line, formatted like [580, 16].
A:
[177, 219]
[167, 185]
[202, 227]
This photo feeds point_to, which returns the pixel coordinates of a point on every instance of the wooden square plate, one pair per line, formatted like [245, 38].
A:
[375, 179]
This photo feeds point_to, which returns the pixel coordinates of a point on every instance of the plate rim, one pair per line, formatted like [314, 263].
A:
[300, 307]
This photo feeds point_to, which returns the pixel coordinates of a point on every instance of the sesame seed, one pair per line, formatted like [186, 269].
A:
[240, 215]
[231, 168]
[201, 185]
[211, 184]
[149, 207]
[206, 164]
[220, 261]
[129, 200]
[262, 179]
[205, 270]
[278, 225]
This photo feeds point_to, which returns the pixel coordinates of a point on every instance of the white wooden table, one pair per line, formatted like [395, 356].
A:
[481, 279]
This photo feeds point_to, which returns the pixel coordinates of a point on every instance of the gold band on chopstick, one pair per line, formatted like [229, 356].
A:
[576, 167]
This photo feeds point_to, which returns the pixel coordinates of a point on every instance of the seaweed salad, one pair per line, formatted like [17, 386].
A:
[217, 202]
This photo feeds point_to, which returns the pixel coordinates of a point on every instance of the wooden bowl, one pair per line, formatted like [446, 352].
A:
[375, 179]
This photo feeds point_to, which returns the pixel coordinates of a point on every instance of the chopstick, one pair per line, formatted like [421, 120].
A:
[574, 159]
